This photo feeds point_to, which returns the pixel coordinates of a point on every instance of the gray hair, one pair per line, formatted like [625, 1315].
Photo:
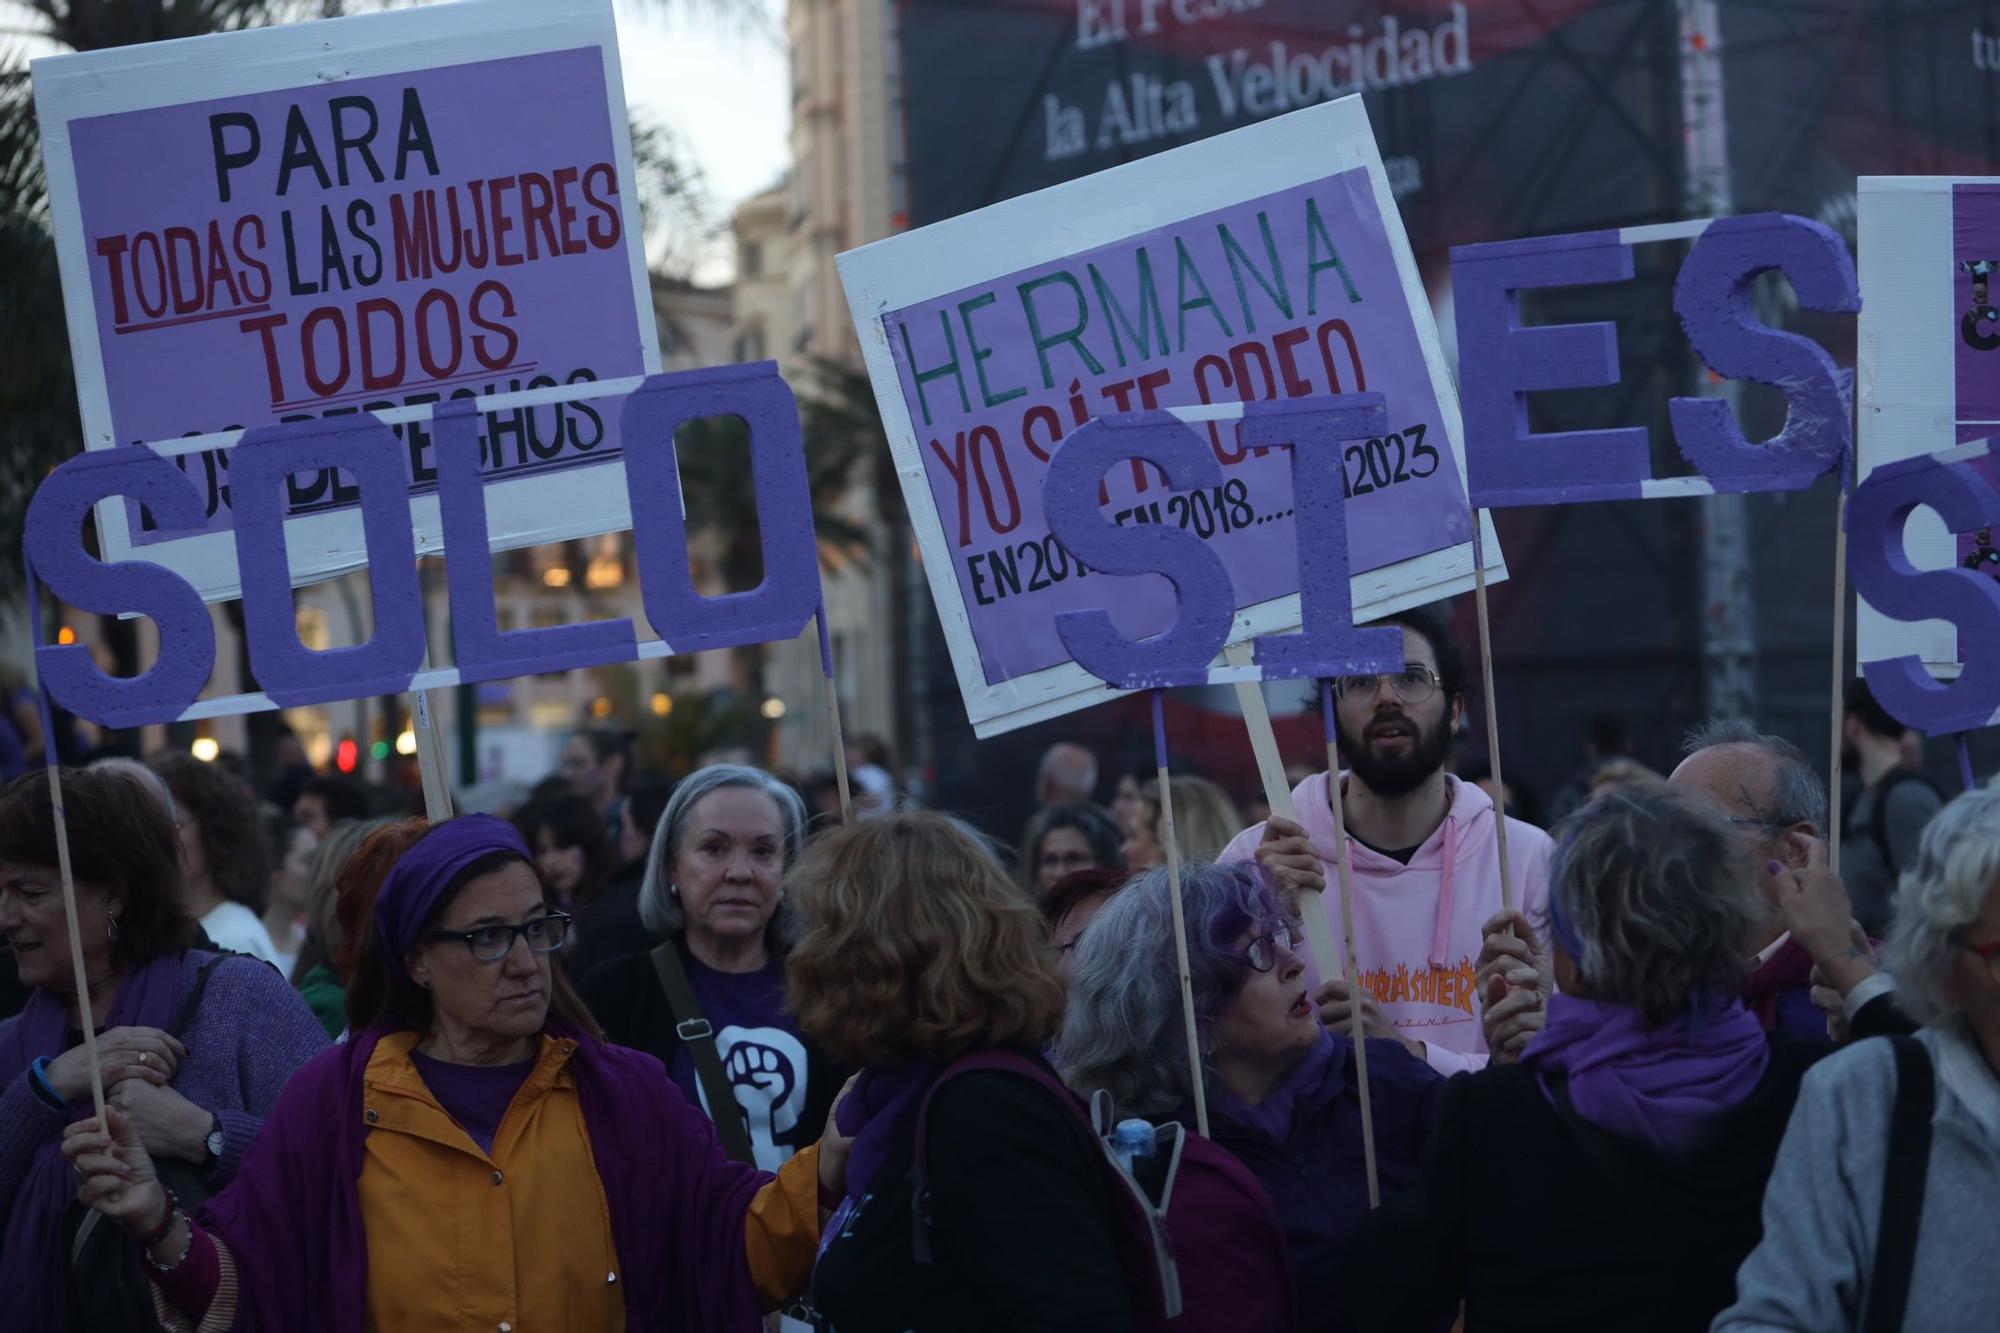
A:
[1124, 1029]
[146, 777]
[1068, 768]
[1650, 895]
[1798, 795]
[659, 906]
[1958, 859]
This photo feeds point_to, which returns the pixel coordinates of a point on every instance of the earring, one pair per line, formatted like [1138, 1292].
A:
[111, 928]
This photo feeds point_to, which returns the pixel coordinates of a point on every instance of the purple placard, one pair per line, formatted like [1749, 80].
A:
[1293, 294]
[1975, 243]
[222, 302]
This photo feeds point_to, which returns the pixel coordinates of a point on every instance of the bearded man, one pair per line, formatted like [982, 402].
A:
[1423, 848]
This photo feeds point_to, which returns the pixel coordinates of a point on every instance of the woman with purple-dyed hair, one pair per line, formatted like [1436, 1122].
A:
[1281, 1090]
[1613, 1177]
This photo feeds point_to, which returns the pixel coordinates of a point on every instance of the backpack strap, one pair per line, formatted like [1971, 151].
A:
[1005, 1062]
[699, 1038]
[1903, 1182]
[192, 1001]
[1879, 821]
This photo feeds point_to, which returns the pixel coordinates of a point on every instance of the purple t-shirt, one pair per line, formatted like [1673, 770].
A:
[476, 1096]
[761, 1053]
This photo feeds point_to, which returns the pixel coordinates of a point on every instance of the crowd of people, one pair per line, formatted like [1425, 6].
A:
[700, 1055]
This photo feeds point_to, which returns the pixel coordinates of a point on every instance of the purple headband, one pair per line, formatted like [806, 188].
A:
[417, 882]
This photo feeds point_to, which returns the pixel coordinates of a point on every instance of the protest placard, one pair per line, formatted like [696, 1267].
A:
[391, 660]
[1929, 372]
[1262, 264]
[341, 217]
[1509, 465]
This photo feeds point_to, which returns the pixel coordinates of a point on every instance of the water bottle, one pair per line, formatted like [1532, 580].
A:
[1130, 1140]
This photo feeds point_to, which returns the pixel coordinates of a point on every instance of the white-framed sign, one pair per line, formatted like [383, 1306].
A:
[1928, 368]
[358, 214]
[1269, 262]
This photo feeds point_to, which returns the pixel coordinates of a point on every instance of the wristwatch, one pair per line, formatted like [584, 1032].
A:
[212, 1144]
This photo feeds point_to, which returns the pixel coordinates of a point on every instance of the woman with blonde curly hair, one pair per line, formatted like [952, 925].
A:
[920, 955]
[1205, 819]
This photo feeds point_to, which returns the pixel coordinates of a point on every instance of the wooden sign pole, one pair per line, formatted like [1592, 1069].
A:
[1278, 795]
[1180, 916]
[1351, 971]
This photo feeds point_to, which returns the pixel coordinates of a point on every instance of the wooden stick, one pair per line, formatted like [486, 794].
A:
[431, 768]
[833, 715]
[1263, 740]
[1352, 970]
[84, 1018]
[1965, 774]
[1278, 795]
[1839, 707]
[1180, 918]
[1492, 713]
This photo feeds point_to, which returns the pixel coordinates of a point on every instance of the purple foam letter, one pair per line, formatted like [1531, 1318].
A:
[1181, 655]
[1499, 363]
[1328, 644]
[1883, 574]
[482, 651]
[288, 671]
[52, 537]
[778, 607]
[1712, 297]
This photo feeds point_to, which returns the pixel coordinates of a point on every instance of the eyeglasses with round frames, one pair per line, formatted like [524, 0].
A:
[489, 944]
[1413, 684]
[1262, 952]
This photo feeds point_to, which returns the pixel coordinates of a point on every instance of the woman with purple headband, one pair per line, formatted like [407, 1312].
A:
[1613, 1177]
[476, 1156]
[1281, 1088]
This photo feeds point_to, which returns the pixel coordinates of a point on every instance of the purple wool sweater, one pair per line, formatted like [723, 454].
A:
[251, 1031]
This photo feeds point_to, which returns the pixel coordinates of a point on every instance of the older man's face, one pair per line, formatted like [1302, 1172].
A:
[1742, 781]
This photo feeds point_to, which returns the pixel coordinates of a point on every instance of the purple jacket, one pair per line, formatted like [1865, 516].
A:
[249, 1034]
[1312, 1166]
[677, 1205]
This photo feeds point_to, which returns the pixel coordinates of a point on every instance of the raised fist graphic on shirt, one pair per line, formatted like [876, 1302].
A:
[766, 1068]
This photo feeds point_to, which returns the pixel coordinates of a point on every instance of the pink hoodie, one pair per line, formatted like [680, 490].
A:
[1417, 926]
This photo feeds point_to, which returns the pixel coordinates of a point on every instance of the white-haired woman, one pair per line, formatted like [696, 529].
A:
[1923, 1112]
[714, 893]
[1612, 1178]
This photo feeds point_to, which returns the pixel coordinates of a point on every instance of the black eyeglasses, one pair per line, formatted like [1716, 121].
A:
[1262, 952]
[1414, 684]
[1759, 823]
[489, 944]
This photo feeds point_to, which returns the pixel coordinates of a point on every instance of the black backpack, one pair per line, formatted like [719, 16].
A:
[109, 1291]
[1878, 827]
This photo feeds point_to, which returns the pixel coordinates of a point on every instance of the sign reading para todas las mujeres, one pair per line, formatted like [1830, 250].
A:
[1267, 264]
[370, 213]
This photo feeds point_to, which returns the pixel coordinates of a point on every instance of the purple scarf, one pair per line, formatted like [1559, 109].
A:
[1659, 1086]
[421, 875]
[1307, 1083]
[678, 1206]
[33, 1268]
[870, 1114]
